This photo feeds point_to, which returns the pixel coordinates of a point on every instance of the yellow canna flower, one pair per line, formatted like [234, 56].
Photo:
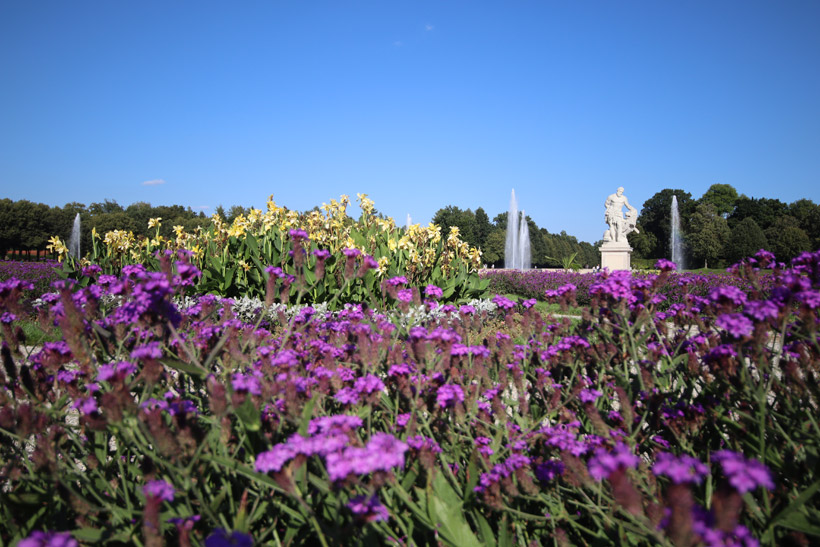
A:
[154, 222]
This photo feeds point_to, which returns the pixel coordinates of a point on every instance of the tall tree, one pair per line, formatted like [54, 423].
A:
[708, 234]
[454, 216]
[807, 214]
[745, 240]
[482, 226]
[656, 218]
[722, 197]
[764, 211]
[786, 239]
[106, 207]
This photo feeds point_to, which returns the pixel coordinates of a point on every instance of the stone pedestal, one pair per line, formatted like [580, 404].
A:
[616, 256]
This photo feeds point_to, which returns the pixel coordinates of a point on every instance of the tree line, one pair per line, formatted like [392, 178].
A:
[548, 250]
[27, 226]
[722, 227]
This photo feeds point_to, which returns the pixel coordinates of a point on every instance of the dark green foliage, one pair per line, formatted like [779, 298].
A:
[786, 239]
[764, 211]
[708, 234]
[656, 218]
[722, 197]
[745, 240]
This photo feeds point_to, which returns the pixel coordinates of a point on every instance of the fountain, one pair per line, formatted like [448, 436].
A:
[74, 240]
[675, 239]
[517, 254]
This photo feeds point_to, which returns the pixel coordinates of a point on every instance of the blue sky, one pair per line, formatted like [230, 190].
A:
[417, 104]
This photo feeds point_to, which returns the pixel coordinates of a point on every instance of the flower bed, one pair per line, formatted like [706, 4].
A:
[40, 274]
[676, 287]
[156, 423]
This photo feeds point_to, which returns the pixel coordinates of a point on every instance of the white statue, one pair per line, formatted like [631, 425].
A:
[619, 226]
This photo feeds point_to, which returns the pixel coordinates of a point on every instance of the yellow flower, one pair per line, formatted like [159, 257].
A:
[154, 222]
[244, 265]
[383, 263]
[57, 246]
[94, 233]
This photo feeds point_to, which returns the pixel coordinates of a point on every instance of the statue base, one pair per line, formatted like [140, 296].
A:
[616, 256]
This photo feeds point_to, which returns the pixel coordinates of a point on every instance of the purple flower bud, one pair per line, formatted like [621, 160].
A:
[159, 489]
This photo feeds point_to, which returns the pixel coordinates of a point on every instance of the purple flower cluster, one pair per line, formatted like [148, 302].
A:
[743, 474]
[680, 469]
[603, 462]
[448, 395]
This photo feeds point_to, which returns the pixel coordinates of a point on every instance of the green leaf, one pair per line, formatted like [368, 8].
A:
[87, 535]
[249, 415]
[182, 366]
[307, 414]
[454, 528]
[800, 523]
[784, 515]
[484, 528]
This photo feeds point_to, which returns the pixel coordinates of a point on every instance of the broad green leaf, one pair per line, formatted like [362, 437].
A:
[249, 415]
[182, 366]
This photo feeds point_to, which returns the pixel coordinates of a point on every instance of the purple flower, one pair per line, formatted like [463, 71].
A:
[275, 271]
[736, 324]
[681, 469]
[743, 474]
[396, 281]
[604, 462]
[405, 295]
[351, 253]
[762, 309]
[7, 318]
[151, 350]
[549, 470]
[347, 396]
[529, 303]
[466, 310]
[589, 395]
[433, 291]
[159, 489]
[368, 384]
[246, 383]
[321, 254]
[666, 265]
[368, 509]
[275, 458]
[382, 453]
[221, 538]
[339, 422]
[448, 395]
[420, 442]
[298, 235]
[503, 302]
[86, 405]
[369, 263]
[728, 293]
[48, 539]
[483, 444]
[560, 291]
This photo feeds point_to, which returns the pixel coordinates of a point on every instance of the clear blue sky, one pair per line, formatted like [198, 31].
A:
[420, 104]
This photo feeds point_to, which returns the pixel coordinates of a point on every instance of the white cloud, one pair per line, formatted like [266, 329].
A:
[203, 207]
[428, 27]
[397, 43]
[153, 182]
